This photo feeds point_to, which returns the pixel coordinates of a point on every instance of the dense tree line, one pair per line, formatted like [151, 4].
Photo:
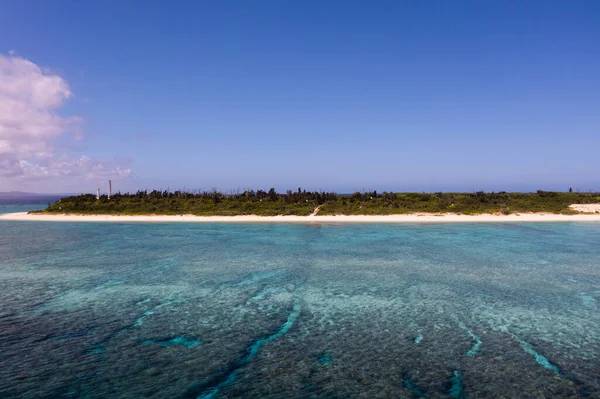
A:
[302, 202]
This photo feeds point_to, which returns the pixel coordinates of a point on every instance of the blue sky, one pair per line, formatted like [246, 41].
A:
[335, 95]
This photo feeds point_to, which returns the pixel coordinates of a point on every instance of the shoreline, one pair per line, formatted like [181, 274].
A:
[405, 218]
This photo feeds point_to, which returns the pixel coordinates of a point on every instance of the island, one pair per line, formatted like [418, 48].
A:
[302, 205]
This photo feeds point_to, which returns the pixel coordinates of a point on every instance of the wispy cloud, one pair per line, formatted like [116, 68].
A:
[30, 98]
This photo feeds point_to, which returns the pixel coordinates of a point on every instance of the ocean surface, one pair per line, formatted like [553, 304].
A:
[124, 310]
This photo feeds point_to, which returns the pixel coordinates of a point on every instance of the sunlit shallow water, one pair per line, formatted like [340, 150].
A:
[116, 310]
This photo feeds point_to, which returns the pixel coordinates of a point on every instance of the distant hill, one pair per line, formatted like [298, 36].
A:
[18, 197]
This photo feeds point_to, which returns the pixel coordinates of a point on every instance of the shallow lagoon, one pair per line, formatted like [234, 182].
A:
[262, 310]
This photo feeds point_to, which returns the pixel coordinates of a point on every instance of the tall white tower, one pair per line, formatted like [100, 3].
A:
[109, 189]
[97, 193]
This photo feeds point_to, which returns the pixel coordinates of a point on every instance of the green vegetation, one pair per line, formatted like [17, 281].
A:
[304, 203]
[462, 203]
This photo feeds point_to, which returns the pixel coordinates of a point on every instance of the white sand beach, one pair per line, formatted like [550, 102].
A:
[588, 208]
[407, 218]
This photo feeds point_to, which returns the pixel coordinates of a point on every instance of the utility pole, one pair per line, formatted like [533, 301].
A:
[109, 189]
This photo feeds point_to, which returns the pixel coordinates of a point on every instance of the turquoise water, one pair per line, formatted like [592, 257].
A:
[123, 310]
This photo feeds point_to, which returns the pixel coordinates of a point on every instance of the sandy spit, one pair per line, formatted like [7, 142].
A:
[409, 218]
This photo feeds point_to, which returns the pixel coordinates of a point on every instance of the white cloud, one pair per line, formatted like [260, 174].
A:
[30, 125]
